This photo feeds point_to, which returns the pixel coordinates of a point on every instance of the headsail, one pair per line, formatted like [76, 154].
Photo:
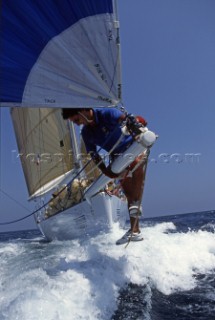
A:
[44, 146]
[59, 53]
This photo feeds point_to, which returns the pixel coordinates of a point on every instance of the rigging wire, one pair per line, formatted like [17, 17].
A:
[45, 204]
[68, 184]
[14, 200]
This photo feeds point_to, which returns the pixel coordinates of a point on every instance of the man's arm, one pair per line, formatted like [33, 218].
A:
[97, 159]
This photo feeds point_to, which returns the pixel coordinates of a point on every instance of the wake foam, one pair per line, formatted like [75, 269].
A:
[82, 279]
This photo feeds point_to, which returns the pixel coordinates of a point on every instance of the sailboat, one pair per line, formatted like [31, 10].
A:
[63, 54]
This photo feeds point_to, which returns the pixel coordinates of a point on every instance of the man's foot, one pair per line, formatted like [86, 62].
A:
[130, 236]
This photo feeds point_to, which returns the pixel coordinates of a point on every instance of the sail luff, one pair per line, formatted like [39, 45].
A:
[118, 56]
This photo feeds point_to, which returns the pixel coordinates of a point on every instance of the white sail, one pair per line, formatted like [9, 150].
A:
[64, 53]
[44, 146]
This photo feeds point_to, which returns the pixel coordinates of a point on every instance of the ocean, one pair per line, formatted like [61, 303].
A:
[169, 275]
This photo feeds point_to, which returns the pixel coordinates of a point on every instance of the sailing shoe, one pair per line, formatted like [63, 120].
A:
[130, 236]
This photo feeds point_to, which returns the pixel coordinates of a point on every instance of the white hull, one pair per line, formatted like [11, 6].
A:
[85, 219]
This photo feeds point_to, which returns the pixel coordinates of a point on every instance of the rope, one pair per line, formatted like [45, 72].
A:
[69, 184]
[142, 189]
[45, 204]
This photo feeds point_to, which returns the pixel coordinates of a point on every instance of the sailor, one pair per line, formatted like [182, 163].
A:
[102, 128]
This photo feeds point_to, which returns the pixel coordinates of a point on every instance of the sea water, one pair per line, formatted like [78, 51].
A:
[169, 275]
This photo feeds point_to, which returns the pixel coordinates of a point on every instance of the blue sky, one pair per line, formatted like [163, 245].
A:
[168, 69]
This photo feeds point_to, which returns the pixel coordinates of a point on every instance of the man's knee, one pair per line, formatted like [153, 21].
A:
[135, 209]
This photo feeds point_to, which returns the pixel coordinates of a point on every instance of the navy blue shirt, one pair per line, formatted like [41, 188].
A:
[106, 131]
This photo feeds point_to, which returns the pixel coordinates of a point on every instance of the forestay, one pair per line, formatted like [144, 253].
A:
[59, 53]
